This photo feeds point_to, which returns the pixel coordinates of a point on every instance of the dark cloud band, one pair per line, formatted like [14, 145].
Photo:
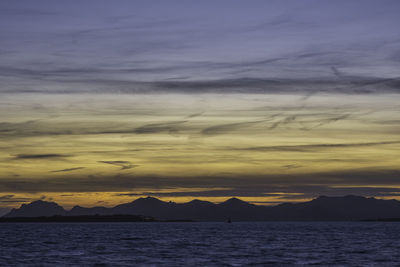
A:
[40, 156]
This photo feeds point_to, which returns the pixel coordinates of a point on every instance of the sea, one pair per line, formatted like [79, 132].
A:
[200, 244]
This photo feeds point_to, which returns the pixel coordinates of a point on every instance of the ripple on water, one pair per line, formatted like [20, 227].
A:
[201, 244]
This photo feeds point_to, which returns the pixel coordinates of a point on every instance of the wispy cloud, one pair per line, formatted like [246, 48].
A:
[289, 185]
[120, 163]
[40, 156]
[234, 48]
[229, 127]
[291, 166]
[194, 115]
[69, 169]
[169, 127]
[13, 199]
[315, 147]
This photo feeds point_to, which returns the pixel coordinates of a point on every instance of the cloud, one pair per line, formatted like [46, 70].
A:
[284, 121]
[194, 115]
[40, 156]
[239, 185]
[169, 127]
[296, 116]
[130, 81]
[13, 199]
[120, 163]
[69, 169]
[291, 166]
[217, 47]
[321, 122]
[315, 147]
[13, 127]
[224, 128]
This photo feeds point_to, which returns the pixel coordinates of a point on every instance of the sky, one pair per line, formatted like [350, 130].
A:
[102, 102]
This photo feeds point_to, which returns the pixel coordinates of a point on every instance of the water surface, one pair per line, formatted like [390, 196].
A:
[200, 244]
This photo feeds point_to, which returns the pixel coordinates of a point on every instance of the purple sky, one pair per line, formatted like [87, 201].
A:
[54, 43]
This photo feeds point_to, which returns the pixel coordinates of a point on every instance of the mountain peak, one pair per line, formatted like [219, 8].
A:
[37, 208]
[234, 202]
[147, 200]
[197, 203]
[41, 202]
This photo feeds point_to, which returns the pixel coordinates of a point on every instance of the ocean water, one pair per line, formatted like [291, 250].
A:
[200, 244]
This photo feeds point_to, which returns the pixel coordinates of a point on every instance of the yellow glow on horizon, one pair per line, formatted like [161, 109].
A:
[67, 138]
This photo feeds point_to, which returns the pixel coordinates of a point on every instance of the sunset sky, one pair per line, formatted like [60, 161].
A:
[102, 102]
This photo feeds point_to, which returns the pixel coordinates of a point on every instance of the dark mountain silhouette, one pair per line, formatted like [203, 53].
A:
[235, 203]
[37, 208]
[347, 208]
[80, 211]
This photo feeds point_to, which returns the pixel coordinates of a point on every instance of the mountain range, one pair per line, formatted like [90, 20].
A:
[323, 208]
